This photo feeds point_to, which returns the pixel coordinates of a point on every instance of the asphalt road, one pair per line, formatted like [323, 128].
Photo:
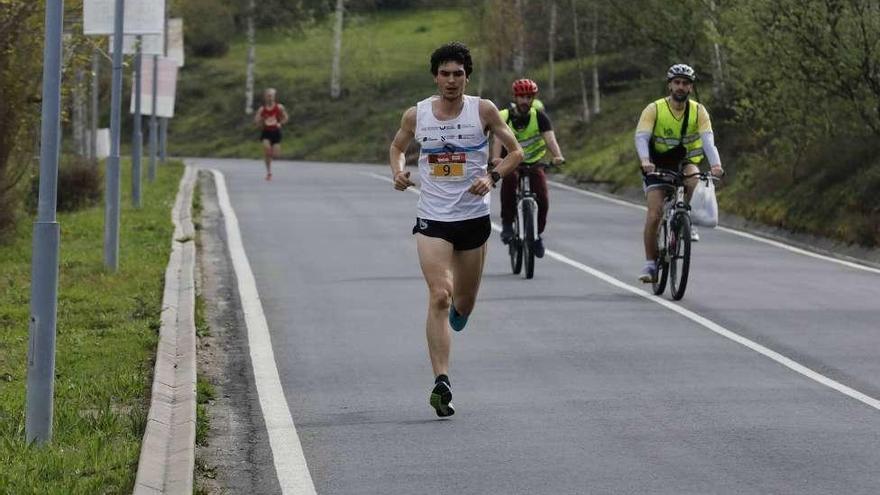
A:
[565, 383]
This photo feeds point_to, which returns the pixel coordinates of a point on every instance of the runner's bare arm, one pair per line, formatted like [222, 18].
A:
[492, 119]
[397, 151]
[495, 151]
[258, 117]
[284, 116]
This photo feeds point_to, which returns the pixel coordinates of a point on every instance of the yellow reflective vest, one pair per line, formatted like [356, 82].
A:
[530, 138]
[667, 131]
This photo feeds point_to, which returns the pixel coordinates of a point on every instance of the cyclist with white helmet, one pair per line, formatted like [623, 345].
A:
[533, 130]
[671, 130]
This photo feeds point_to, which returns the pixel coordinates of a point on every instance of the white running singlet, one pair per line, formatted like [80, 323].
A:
[454, 154]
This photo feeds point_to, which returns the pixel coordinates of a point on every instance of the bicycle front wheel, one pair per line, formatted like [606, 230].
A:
[528, 233]
[659, 283]
[680, 255]
[516, 255]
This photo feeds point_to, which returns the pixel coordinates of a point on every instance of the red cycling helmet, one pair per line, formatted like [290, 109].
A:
[525, 87]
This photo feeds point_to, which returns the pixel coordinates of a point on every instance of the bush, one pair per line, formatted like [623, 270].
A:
[8, 206]
[208, 35]
[80, 185]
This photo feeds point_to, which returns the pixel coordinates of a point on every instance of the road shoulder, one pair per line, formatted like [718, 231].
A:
[236, 457]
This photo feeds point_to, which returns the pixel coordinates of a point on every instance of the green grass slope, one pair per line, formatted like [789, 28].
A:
[106, 343]
[385, 69]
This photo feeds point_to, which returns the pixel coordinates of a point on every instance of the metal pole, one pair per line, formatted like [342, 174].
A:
[93, 138]
[137, 134]
[153, 121]
[163, 139]
[47, 239]
[163, 122]
[111, 196]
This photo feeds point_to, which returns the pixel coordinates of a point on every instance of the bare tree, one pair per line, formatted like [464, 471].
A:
[593, 52]
[519, 57]
[79, 113]
[336, 71]
[551, 52]
[585, 102]
[251, 60]
[718, 87]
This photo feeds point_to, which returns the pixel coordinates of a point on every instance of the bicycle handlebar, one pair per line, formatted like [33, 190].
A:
[678, 175]
[540, 164]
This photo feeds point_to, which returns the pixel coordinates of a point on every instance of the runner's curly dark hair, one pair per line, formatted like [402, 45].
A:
[452, 52]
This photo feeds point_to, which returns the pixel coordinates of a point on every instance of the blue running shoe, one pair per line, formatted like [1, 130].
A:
[441, 399]
[456, 320]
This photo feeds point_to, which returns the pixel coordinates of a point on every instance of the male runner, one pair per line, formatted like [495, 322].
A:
[452, 223]
[271, 116]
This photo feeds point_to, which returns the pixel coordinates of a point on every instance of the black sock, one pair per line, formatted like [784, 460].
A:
[442, 378]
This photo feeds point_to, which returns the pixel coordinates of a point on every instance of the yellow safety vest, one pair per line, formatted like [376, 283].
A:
[667, 131]
[530, 139]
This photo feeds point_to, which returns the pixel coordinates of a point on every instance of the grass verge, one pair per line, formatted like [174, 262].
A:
[106, 342]
[386, 70]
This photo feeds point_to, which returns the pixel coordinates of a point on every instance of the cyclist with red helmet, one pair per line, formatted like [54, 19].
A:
[533, 130]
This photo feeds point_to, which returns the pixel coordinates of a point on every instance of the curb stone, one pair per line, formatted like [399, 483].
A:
[167, 455]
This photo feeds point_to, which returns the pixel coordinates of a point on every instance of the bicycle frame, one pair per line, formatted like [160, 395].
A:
[673, 239]
[525, 228]
[525, 195]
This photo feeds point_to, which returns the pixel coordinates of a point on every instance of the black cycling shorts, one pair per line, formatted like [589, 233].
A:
[463, 235]
[651, 182]
[273, 135]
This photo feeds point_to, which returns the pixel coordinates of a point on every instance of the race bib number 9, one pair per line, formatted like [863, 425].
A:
[447, 166]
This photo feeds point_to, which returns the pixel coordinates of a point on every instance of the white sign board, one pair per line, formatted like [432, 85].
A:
[141, 16]
[151, 44]
[165, 90]
[175, 40]
[103, 143]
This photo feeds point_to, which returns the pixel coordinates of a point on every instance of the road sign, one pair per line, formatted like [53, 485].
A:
[175, 41]
[166, 87]
[141, 17]
[151, 44]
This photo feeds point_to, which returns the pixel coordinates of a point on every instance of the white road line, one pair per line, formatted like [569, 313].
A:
[290, 463]
[711, 325]
[700, 320]
[740, 233]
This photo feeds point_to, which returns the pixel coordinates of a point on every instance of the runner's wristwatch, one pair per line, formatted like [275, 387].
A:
[495, 178]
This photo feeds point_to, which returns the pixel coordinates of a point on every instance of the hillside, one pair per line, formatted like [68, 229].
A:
[386, 69]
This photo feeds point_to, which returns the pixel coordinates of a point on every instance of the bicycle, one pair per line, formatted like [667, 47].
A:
[525, 224]
[674, 236]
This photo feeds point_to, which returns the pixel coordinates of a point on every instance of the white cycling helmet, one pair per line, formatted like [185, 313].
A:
[681, 70]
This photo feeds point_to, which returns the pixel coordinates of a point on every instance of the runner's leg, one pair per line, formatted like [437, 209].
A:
[467, 272]
[276, 153]
[436, 260]
[267, 156]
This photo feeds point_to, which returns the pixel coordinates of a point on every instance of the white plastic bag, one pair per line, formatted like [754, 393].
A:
[704, 206]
